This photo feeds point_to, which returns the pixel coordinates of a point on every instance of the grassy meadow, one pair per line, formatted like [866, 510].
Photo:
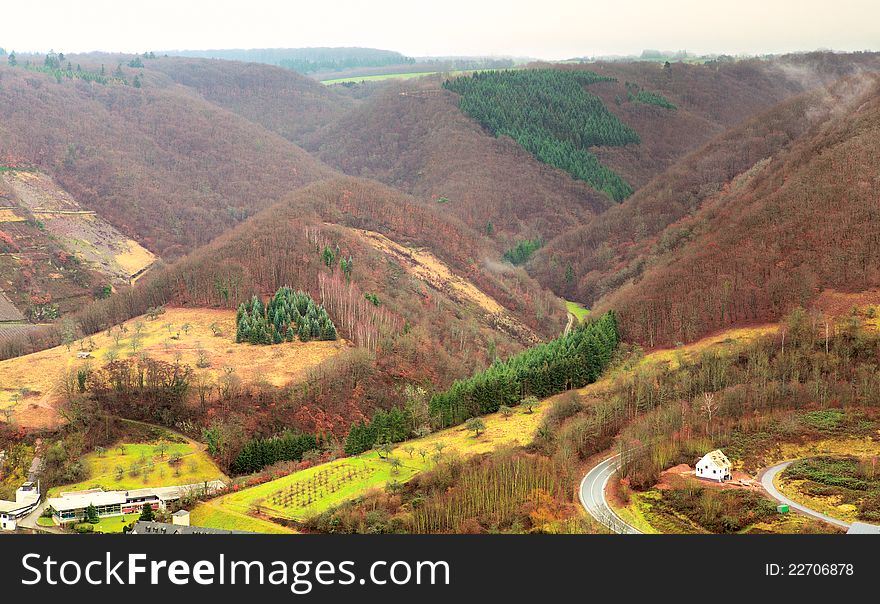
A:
[192, 336]
[145, 465]
[580, 313]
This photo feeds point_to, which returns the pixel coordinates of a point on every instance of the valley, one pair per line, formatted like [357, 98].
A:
[350, 292]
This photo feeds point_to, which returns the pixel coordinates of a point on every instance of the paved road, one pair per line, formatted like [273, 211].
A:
[767, 483]
[592, 494]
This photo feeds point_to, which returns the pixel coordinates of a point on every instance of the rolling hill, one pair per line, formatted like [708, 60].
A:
[164, 166]
[417, 295]
[801, 220]
[280, 99]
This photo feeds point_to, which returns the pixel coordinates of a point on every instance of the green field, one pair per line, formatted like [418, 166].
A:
[392, 76]
[152, 464]
[577, 310]
[314, 490]
[376, 78]
[212, 515]
[115, 524]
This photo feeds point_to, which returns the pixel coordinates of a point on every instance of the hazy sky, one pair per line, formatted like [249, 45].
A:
[551, 29]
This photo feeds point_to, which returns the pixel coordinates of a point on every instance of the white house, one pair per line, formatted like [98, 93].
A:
[714, 465]
[26, 499]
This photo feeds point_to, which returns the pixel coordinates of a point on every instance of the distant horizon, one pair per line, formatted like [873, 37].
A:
[552, 30]
[636, 55]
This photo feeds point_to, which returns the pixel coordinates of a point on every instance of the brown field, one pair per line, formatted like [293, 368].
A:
[29, 383]
[82, 232]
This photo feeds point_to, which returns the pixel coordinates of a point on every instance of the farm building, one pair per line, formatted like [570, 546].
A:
[180, 517]
[26, 499]
[714, 465]
[71, 506]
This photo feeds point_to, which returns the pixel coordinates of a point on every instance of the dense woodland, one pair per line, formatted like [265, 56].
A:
[804, 221]
[610, 257]
[115, 149]
[570, 361]
[552, 116]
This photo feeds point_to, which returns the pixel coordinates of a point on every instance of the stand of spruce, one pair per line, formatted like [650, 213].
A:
[288, 315]
[570, 361]
[261, 452]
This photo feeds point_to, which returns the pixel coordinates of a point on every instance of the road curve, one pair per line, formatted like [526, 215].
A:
[767, 482]
[592, 494]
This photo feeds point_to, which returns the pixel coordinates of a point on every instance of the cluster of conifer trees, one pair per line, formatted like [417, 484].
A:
[522, 251]
[570, 361]
[391, 426]
[288, 315]
[548, 112]
[652, 98]
[261, 452]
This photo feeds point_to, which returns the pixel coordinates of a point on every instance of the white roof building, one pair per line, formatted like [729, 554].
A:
[70, 506]
[714, 465]
[26, 499]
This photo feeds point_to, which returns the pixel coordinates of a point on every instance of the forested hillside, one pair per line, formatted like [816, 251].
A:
[306, 60]
[403, 329]
[803, 220]
[164, 166]
[413, 137]
[598, 257]
[424, 145]
[282, 100]
[552, 116]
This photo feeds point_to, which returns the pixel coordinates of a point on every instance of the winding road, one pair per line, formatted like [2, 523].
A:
[592, 494]
[767, 482]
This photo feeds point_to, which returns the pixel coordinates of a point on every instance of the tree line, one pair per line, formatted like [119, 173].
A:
[548, 112]
[261, 452]
[570, 361]
[392, 426]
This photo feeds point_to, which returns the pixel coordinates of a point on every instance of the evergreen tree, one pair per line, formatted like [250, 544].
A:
[287, 315]
[91, 514]
[147, 514]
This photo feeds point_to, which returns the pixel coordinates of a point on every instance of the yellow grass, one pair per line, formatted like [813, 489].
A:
[212, 514]
[426, 267]
[830, 505]
[10, 216]
[729, 339]
[516, 430]
[134, 258]
[859, 447]
[634, 513]
[195, 467]
[41, 372]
